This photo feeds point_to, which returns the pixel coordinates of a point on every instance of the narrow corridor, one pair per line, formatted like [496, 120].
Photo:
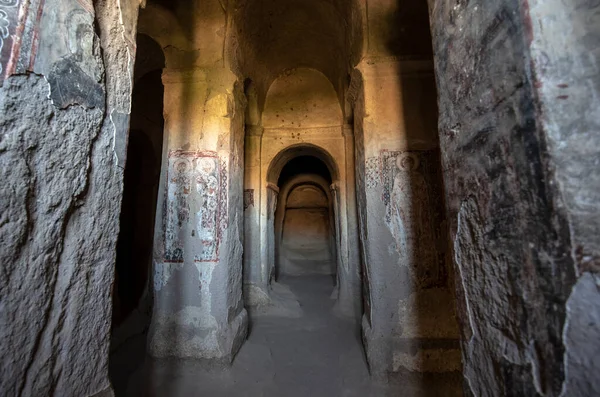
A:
[301, 351]
[299, 198]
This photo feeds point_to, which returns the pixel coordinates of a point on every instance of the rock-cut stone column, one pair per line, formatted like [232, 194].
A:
[197, 259]
[255, 288]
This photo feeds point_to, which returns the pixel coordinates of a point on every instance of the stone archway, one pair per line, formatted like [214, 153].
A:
[348, 298]
[299, 115]
[307, 175]
[309, 196]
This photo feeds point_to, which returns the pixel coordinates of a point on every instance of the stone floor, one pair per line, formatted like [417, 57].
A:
[303, 352]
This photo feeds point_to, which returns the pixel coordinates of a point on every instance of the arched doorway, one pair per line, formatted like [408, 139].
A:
[305, 179]
[305, 229]
[298, 115]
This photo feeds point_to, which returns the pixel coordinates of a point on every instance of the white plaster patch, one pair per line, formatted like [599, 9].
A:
[205, 274]
[193, 316]
[163, 272]
[580, 336]
[190, 332]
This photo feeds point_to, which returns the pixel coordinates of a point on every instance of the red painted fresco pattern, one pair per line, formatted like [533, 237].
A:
[195, 210]
[9, 20]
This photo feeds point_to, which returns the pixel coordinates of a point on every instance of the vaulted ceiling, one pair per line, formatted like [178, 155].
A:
[275, 36]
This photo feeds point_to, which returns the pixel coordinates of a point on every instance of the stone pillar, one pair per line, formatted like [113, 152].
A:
[65, 97]
[197, 260]
[353, 285]
[411, 304]
[254, 291]
[335, 206]
[348, 297]
[269, 268]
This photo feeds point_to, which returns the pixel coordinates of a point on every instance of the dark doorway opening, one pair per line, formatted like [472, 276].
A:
[132, 297]
[305, 229]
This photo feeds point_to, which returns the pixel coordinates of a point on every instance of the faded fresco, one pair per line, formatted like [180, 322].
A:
[75, 78]
[412, 196]
[195, 206]
[8, 24]
[23, 49]
[248, 198]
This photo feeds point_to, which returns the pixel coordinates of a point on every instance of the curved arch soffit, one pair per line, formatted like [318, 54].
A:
[301, 149]
[163, 27]
[150, 56]
[302, 73]
[303, 180]
[298, 31]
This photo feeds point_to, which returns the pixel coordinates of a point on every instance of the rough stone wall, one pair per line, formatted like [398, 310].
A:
[64, 110]
[517, 85]
[357, 103]
[254, 280]
[236, 314]
[252, 199]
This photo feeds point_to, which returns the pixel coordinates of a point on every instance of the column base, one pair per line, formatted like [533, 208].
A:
[180, 335]
[378, 352]
[255, 295]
